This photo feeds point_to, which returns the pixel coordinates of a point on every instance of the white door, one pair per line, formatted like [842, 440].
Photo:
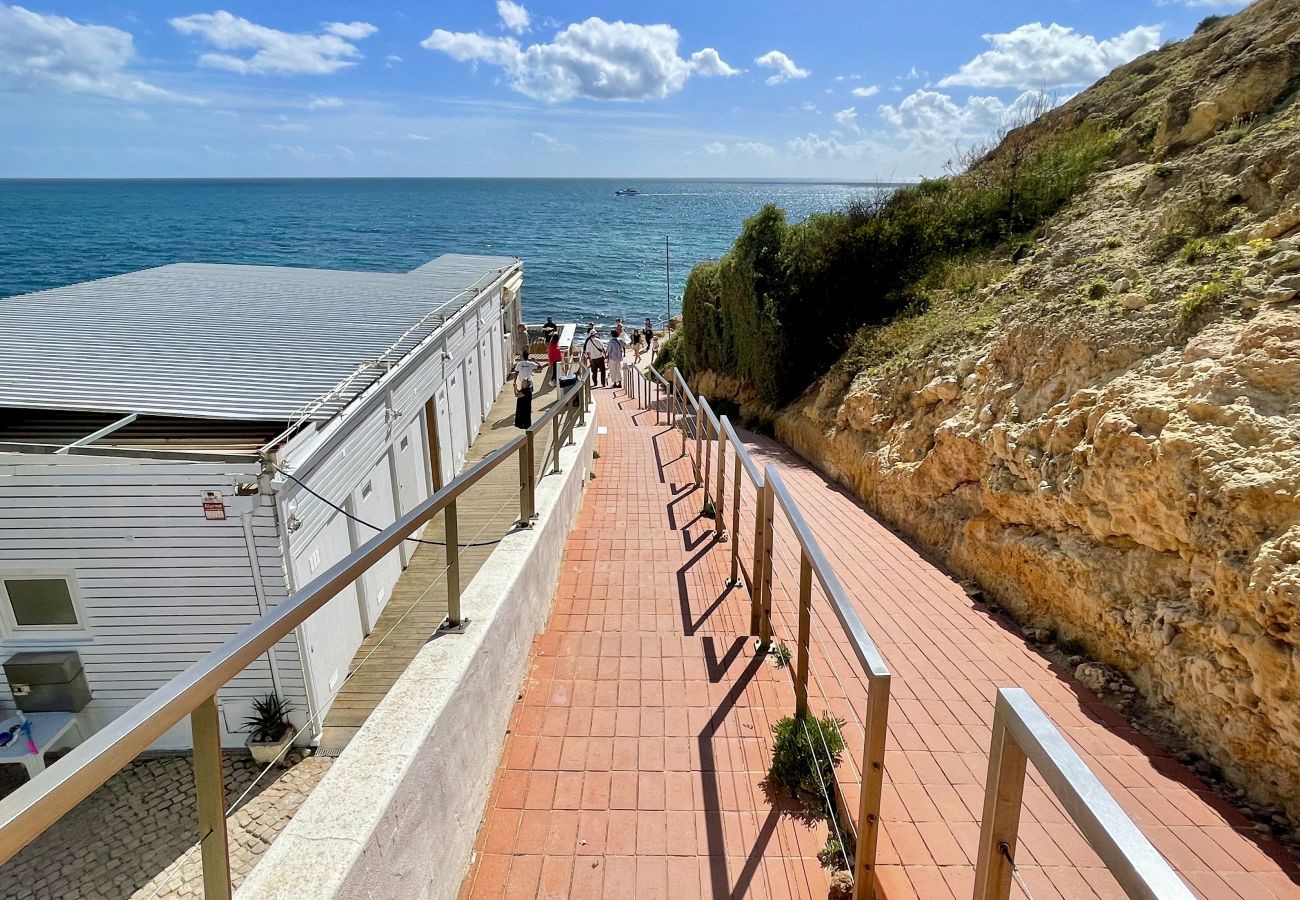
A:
[333, 633]
[486, 376]
[373, 502]
[452, 401]
[446, 453]
[473, 395]
[412, 486]
[498, 372]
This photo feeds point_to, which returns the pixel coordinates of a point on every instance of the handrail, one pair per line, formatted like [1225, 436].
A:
[1023, 732]
[863, 646]
[38, 804]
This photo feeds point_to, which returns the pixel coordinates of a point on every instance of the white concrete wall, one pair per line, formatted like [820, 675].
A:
[397, 814]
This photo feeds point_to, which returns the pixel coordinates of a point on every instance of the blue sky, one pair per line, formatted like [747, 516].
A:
[709, 88]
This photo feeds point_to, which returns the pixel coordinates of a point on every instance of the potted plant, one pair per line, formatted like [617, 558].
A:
[269, 730]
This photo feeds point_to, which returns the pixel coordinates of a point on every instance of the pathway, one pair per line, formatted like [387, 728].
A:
[636, 755]
[419, 601]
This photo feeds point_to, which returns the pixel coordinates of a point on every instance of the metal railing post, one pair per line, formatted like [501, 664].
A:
[873, 777]
[451, 534]
[735, 522]
[765, 609]
[659, 396]
[706, 462]
[1000, 823]
[720, 489]
[805, 636]
[210, 791]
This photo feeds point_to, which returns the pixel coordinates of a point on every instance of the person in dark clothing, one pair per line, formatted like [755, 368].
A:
[550, 328]
[524, 370]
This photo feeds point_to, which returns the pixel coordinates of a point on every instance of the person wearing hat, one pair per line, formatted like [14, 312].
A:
[594, 350]
[614, 350]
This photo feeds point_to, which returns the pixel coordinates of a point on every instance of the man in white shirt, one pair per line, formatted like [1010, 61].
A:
[524, 371]
[594, 351]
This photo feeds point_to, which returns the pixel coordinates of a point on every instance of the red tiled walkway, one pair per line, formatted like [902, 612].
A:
[637, 750]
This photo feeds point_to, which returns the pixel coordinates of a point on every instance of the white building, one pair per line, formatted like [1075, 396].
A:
[142, 418]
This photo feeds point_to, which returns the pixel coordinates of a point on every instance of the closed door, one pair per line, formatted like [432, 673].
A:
[473, 395]
[458, 440]
[412, 486]
[485, 377]
[333, 633]
[373, 502]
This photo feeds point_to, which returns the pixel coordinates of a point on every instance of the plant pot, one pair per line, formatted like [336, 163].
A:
[266, 752]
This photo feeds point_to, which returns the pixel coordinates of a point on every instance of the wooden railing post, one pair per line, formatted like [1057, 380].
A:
[756, 571]
[451, 534]
[555, 441]
[765, 609]
[720, 489]
[1003, 791]
[873, 778]
[735, 522]
[210, 792]
[526, 483]
[805, 636]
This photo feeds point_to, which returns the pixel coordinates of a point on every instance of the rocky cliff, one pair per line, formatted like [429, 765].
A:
[1108, 442]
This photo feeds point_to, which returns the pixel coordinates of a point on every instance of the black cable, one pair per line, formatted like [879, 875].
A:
[359, 521]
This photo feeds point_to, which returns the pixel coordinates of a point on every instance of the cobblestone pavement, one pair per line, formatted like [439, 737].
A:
[135, 836]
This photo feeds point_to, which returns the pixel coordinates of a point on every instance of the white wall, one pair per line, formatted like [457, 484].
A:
[361, 445]
[161, 584]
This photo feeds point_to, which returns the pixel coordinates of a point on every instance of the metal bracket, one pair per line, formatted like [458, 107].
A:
[448, 628]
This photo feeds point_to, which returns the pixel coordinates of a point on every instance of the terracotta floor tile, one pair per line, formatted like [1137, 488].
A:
[636, 753]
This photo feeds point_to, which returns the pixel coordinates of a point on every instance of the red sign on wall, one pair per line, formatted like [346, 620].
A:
[213, 506]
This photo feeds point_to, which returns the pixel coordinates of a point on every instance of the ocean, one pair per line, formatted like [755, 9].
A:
[587, 253]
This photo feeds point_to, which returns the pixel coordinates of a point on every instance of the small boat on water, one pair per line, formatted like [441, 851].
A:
[627, 192]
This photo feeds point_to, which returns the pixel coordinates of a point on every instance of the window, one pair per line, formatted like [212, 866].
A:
[40, 604]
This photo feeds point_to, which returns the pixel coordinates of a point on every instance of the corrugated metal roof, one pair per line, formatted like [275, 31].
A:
[224, 341]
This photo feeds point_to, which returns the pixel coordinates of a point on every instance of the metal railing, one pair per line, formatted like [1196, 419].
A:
[1021, 730]
[39, 803]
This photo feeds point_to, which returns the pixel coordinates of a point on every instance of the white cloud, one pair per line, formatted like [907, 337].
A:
[785, 67]
[1035, 55]
[325, 103]
[54, 52]
[757, 148]
[715, 149]
[417, 137]
[513, 16]
[932, 118]
[707, 62]
[816, 146]
[869, 90]
[391, 60]
[135, 115]
[848, 77]
[545, 139]
[284, 123]
[847, 118]
[595, 59]
[350, 31]
[809, 107]
[274, 51]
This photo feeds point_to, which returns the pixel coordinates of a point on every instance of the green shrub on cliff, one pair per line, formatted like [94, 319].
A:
[782, 305]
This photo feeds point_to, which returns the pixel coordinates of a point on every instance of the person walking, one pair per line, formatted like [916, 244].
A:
[554, 356]
[648, 331]
[636, 347]
[549, 329]
[521, 339]
[524, 371]
[594, 351]
[614, 351]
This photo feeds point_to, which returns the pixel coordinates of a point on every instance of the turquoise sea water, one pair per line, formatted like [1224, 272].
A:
[587, 253]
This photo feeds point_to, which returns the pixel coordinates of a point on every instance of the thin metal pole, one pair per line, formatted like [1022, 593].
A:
[805, 636]
[1003, 791]
[735, 521]
[668, 283]
[659, 396]
[707, 463]
[451, 533]
[873, 774]
[210, 790]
